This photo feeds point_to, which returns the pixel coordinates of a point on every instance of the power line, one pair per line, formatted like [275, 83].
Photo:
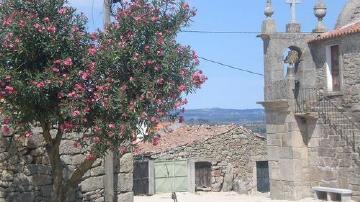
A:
[232, 67]
[233, 32]
[218, 32]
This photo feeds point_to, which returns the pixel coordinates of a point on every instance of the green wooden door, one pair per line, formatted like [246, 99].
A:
[171, 176]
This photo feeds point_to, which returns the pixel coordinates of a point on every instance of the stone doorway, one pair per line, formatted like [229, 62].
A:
[262, 173]
[203, 176]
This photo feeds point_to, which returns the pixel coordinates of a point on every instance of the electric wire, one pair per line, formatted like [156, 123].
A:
[232, 67]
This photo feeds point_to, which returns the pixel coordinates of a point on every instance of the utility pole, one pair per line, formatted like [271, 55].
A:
[109, 185]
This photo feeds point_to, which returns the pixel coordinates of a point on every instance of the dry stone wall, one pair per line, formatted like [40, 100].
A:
[25, 173]
[233, 157]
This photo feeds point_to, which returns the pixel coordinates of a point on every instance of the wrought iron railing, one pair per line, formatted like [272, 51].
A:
[277, 90]
[310, 100]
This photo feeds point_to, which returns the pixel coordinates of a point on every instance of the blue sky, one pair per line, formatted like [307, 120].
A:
[228, 88]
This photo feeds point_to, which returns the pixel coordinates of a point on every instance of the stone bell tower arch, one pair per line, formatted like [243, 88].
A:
[286, 145]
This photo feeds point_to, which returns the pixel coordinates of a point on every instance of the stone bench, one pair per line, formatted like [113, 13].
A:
[332, 194]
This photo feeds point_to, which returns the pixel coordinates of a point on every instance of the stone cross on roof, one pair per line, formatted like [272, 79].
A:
[293, 9]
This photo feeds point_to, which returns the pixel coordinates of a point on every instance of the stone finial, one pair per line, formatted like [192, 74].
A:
[320, 12]
[269, 25]
[293, 26]
[269, 11]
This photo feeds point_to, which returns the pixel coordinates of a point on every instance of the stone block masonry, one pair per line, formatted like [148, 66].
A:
[25, 173]
[231, 150]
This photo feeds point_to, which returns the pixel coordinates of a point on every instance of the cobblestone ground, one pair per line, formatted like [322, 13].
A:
[210, 197]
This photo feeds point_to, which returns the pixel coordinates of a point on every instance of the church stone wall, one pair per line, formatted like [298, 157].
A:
[25, 173]
[333, 162]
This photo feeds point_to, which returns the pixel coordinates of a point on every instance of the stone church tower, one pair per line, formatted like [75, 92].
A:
[296, 116]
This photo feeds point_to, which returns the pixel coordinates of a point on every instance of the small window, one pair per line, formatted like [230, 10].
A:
[333, 71]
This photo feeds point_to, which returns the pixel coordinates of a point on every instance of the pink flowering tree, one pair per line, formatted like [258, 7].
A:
[102, 86]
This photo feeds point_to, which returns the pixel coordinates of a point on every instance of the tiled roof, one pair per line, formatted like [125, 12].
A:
[186, 135]
[342, 31]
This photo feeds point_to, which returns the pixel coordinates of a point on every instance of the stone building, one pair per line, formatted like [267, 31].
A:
[312, 96]
[214, 158]
[25, 173]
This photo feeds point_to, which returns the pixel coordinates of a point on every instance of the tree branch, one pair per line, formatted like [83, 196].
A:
[46, 133]
[80, 171]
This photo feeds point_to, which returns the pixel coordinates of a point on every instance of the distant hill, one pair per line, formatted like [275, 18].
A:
[251, 118]
[223, 116]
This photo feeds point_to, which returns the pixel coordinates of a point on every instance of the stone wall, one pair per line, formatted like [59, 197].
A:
[233, 157]
[333, 162]
[25, 173]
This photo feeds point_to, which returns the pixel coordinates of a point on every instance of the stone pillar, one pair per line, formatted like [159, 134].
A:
[124, 178]
[151, 177]
[191, 176]
[109, 177]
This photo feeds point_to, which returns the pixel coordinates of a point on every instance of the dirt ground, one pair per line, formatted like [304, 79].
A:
[210, 197]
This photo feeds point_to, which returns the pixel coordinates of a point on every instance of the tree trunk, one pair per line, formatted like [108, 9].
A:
[53, 152]
[62, 188]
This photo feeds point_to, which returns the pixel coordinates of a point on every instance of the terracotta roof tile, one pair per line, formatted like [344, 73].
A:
[342, 31]
[185, 135]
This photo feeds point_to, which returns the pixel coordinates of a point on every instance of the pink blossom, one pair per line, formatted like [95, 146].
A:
[28, 134]
[185, 6]
[55, 69]
[160, 81]
[66, 126]
[36, 25]
[96, 139]
[46, 20]
[6, 121]
[10, 89]
[79, 87]
[92, 66]
[76, 113]
[40, 84]
[157, 68]
[90, 156]
[51, 29]
[62, 10]
[7, 22]
[5, 130]
[122, 129]
[84, 75]
[160, 53]
[21, 24]
[136, 57]
[72, 94]
[138, 18]
[68, 62]
[198, 78]
[92, 51]
[97, 129]
[154, 18]
[74, 29]
[112, 126]
[182, 88]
